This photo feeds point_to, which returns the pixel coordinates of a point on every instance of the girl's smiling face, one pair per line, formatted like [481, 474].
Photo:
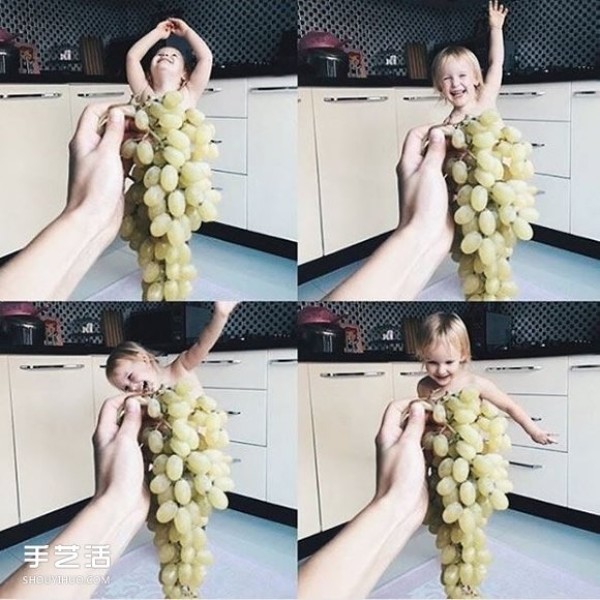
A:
[135, 375]
[167, 59]
[443, 362]
[457, 82]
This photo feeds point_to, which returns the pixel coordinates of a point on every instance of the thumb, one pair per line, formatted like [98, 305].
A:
[413, 432]
[115, 128]
[132, 420]
[436, 151]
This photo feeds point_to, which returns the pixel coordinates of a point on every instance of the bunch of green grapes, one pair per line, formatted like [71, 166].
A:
[171, 194]
[189, 475]
[493, 203]
[467, 480]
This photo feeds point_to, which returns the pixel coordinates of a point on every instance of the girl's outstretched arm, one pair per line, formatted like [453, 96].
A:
[194, 355]
[201, 73]
[136, 78]
[493, 79]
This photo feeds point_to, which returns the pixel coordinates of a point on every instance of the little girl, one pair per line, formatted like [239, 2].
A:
[456, 72]
[445, 349]
[132, 368]
[168, 70]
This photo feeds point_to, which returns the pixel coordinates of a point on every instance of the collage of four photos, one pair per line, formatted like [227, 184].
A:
[299, 299]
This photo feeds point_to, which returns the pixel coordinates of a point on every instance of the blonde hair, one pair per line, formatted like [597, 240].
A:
[447, 328]
[127, 350]
[458, 53]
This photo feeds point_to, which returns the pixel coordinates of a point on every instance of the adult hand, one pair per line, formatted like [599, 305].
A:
[118, 457]
[400, 460]
[423, 192]
[95, 168]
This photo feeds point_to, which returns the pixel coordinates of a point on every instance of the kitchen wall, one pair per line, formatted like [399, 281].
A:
[255, 318]
[532, 321]
[545, 32]
[242, 31]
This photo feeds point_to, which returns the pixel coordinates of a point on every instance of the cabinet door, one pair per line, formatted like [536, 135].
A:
[418, 106]
[406, 376]
[36, 129]
[243, 369]
[272, 157]
[249, 470]
[85, 94]
[232, 208]
[585, 174]
[103, 389]
[282, 427]
[536, 101]
[53, 410]
[224, 98]
[9, 507]
[309, 520]
[584, 424]
[554, 202]
[310, 238]
[358, 150]
[348, 401]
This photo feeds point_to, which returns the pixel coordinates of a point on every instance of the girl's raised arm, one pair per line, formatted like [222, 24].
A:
[194, 355]
[136, 78]
[201, 73]
[493, 79]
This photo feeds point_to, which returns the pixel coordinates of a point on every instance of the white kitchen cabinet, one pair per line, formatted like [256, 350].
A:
[9, 506]
[309, 519]
[545, 375]
[225, 98]
[247, 412]
[230, 136]
[102, 388]
[36, 130]
[348, 402]
[272, 156]
[417, 106]
[538, 473]
[239, 369]
[536, 101]
[584, 424]
[310, 236]
[585, 174]
[357, 150]
[406, 376]
[553, 202]
[233, 206]
[282, 427]
[547, 412]
[249, 469]
[82, 95]
[53, 412]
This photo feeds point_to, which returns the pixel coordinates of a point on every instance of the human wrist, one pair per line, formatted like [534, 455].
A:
[130, 513]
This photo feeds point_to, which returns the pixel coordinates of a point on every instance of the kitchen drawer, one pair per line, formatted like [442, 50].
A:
[242, 370]
[102, 388]
[249, 470]
[553, 201]
[225, 98]
[546, 375]
[539, 474]
[83, 95]
[406, 376]
[231, 138]
[537, 101]
[233, 207]
[549, 413]
[247, 410]
[551, 146]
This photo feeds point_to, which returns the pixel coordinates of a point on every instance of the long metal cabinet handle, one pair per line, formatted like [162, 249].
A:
[584, 367]
[419, 98]
[50, 367]
[41, 96]
[411, 373]
[586, 93]
[229, 361]
[524, 368]
[538, 145]
[100, 94]
[282, 88]
[234, 413]
[525, 465]
[355, 374]
[523, 94]
[283, 360]
[213, 90]
[355, 98]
